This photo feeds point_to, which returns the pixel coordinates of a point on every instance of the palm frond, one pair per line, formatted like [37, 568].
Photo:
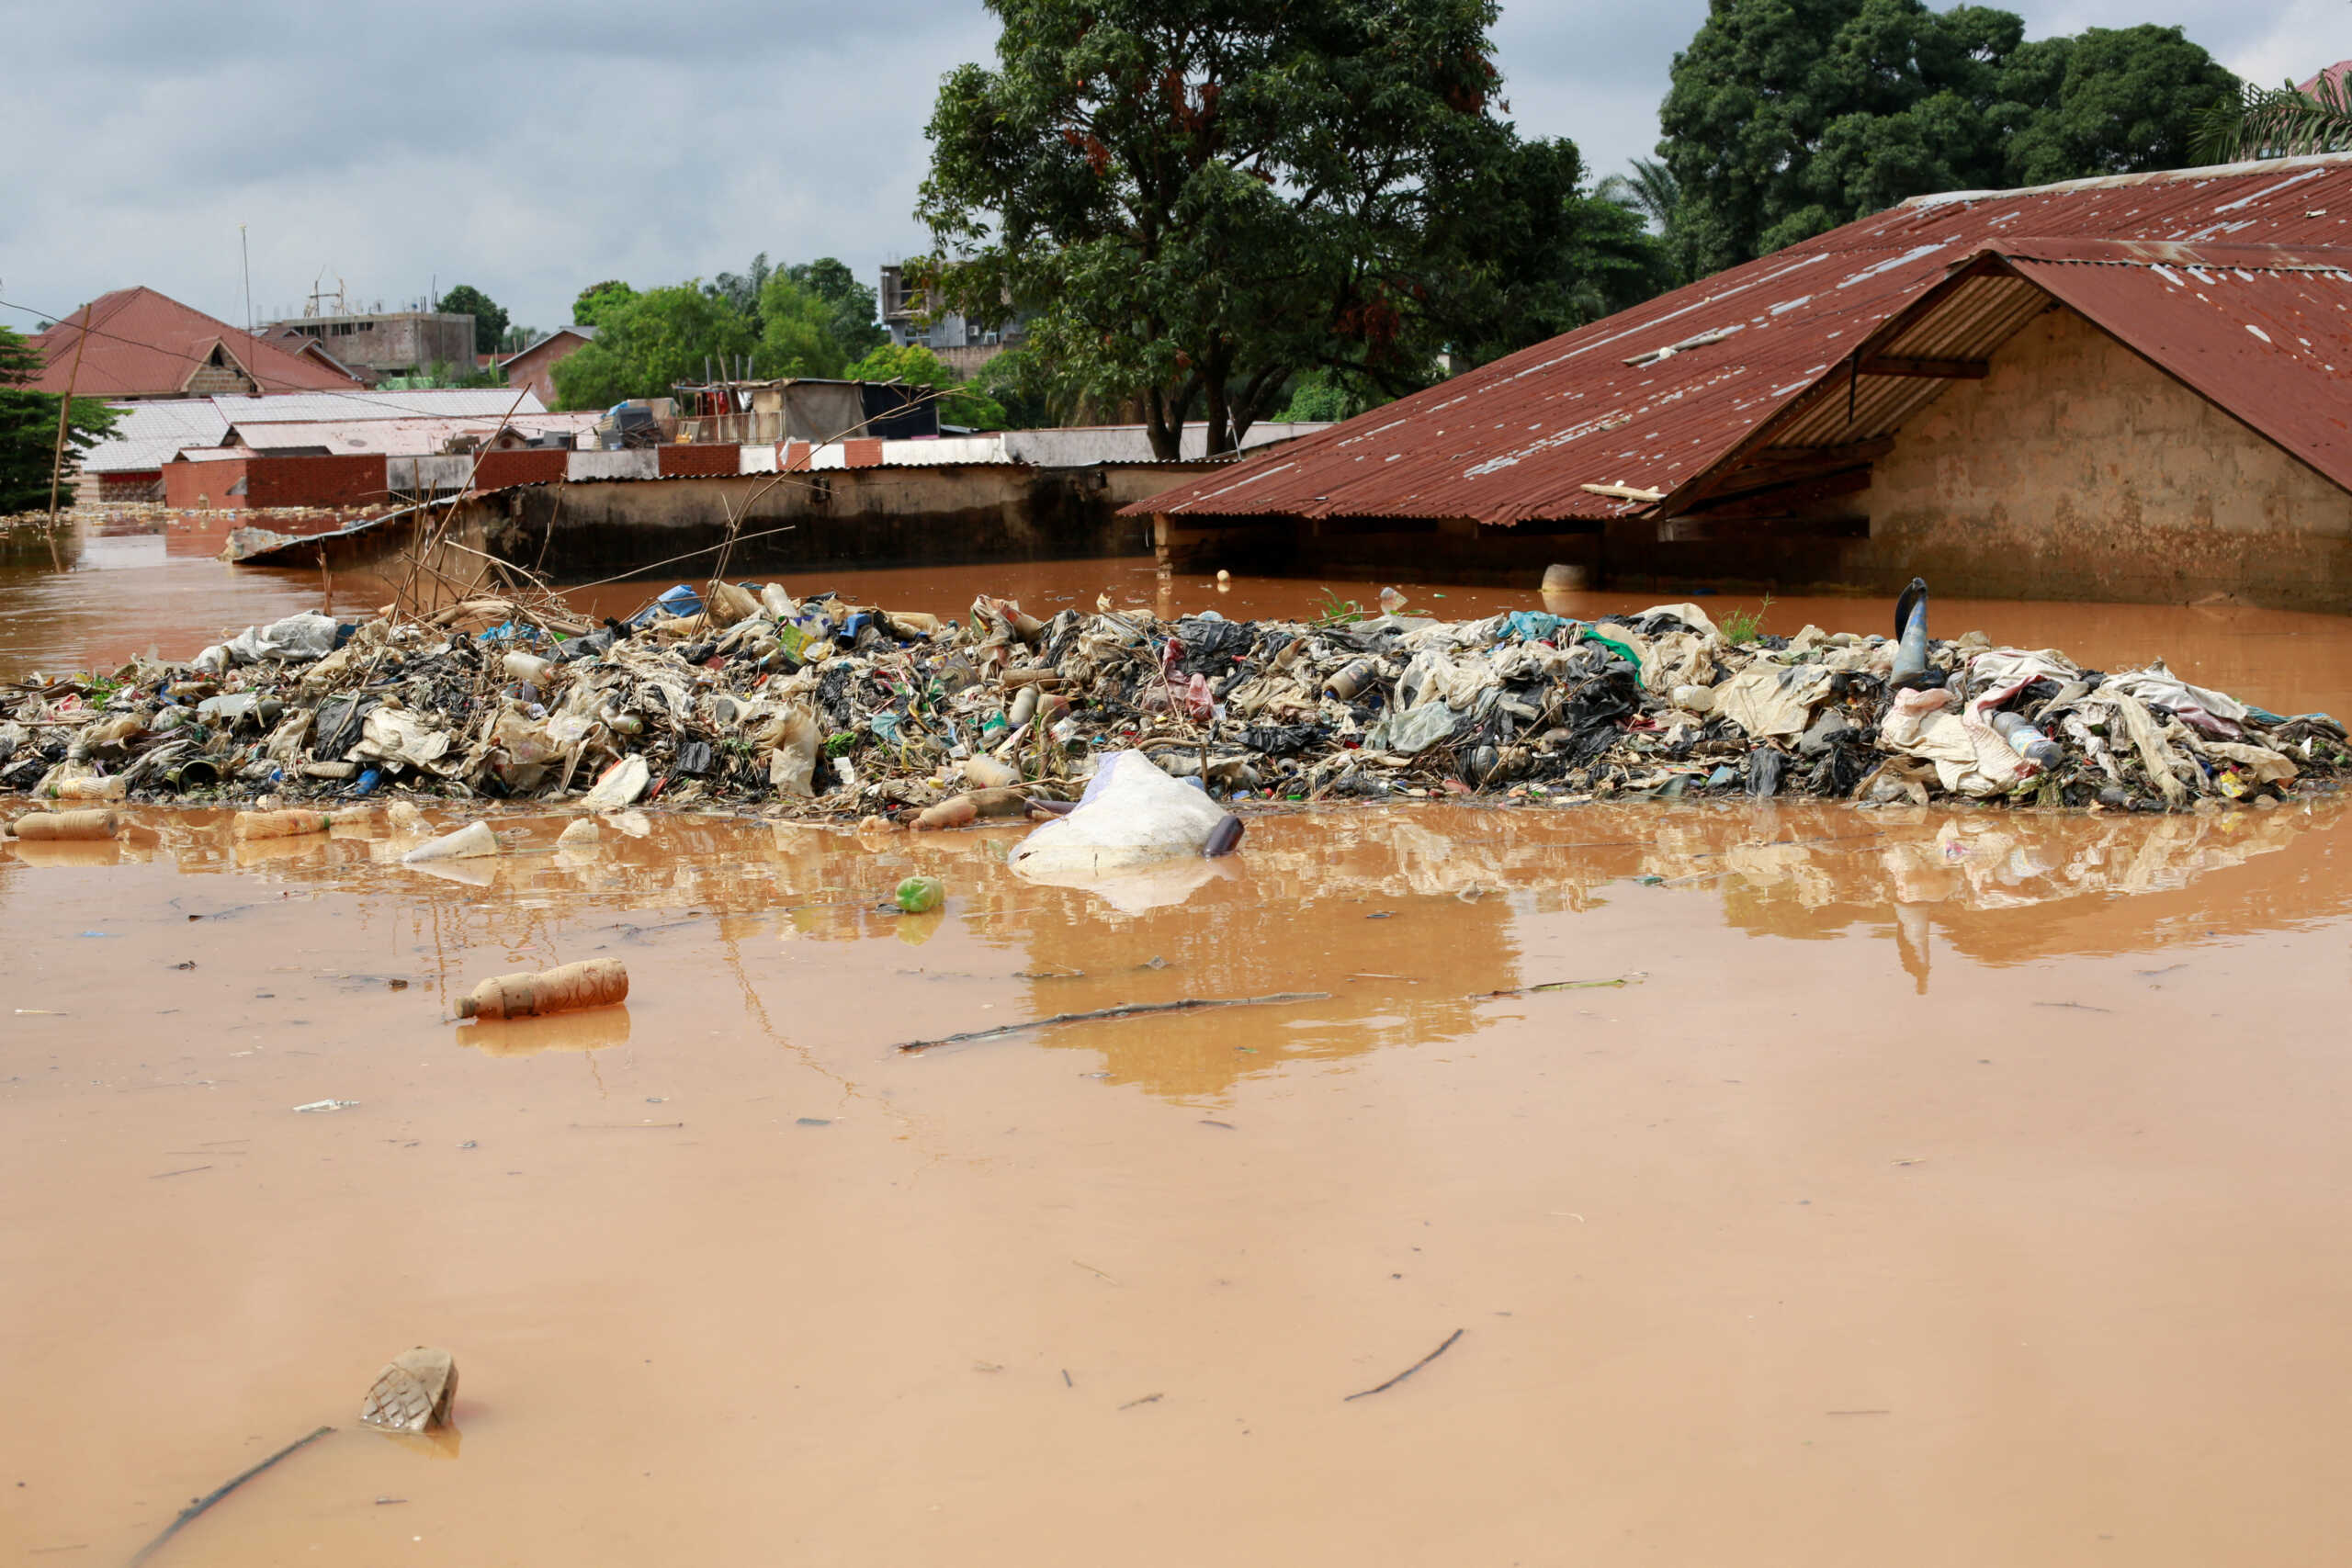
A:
[2284, 121]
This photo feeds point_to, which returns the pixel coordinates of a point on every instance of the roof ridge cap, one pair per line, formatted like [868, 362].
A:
[1931, 199]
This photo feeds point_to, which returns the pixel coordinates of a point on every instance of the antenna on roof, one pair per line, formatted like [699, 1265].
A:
[246, 252]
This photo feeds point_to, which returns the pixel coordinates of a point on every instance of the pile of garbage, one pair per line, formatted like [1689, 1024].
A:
[816, 707]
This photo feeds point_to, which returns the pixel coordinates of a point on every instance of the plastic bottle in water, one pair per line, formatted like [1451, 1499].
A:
[2027, 741]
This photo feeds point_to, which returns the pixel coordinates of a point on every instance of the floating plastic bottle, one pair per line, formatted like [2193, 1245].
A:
[2027, 741]
[40, 827]
[598, 982]
[278, 824]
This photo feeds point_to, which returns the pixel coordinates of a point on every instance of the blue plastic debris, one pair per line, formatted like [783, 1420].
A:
[679, 600]
[1534, 626]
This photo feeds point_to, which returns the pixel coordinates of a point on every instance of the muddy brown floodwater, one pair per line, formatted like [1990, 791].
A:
[1938, 1187]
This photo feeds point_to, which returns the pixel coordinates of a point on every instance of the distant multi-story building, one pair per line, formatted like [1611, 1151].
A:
[388, 343]
[963, 344]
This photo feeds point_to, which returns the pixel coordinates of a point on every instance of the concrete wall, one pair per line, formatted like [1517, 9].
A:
[2077, 469]
[399, 340]
[876, 516]
[2073, 470]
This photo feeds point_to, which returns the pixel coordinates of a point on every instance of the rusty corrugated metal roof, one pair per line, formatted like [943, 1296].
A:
[142, 344]
[1654, 398]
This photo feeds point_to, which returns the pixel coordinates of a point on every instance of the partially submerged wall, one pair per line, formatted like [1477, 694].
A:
[852, 518]
[2077, 469]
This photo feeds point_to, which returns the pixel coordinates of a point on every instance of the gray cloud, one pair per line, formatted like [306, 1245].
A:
[531, 149]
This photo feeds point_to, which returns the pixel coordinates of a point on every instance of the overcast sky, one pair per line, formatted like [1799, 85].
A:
[533, 149]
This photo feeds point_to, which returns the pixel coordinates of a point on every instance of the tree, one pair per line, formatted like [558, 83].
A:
[490, 321]
[2284, 121]
[851, 321]
[797, 335]
[1651, 190]
[742, 289]
[588, 310]
[2112, 101]
[962, 402]
[1787, 118]
[1195, 200]
[1320, 396]
[28, 431]
[1021, 384]
[648, 343]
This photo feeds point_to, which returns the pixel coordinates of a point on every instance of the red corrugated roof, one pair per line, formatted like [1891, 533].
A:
[1519, 439]
[145, 345]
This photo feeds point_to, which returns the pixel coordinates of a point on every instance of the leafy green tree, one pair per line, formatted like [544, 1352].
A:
[1651, 190]
[828, 317]
[28, 431]
[1318, 395]
[796, 333]
[961, 402]
[2284, 121]
[1023, 385]
[1195, 200]
[2112, 101]
[490, 321]
[742, 289]
[1787, 118]
[853, 320]
[648, 343]
[588, 310]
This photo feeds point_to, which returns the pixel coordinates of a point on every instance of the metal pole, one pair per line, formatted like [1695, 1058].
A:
[64, 418]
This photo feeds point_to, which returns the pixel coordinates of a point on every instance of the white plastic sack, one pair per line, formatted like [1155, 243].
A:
[1766, 699]
[468, 842]
[1131, 815]
[300, 637]
[620, 786]
[395, 735]
[1414, 730]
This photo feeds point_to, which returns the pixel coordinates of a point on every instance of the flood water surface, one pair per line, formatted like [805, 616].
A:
[1806, 1185]
[1785, 1184]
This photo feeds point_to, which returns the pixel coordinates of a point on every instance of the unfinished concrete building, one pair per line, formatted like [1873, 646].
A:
[390, 343]
[2136, 387]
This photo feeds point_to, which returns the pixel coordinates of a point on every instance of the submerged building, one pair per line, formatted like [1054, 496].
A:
[2135, 388]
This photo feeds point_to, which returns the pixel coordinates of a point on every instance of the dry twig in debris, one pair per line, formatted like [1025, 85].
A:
[1621, 981]
[193, 1510]
[1131, 1010]
[1408, 1371]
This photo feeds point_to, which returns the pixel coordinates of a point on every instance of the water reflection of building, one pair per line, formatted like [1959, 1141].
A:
[1404, 916]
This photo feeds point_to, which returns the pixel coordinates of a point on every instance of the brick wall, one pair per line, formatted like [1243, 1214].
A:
[204, 486]
[699, 462]
[534, 467]
[356, 480]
